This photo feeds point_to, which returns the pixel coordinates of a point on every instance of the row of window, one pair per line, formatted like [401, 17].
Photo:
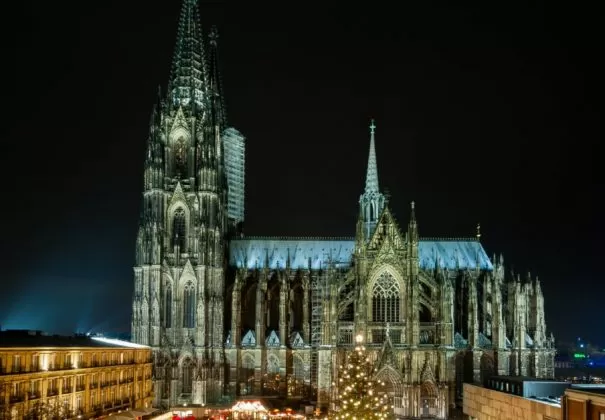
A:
[66, 407]
[385, 301]
[19, 363]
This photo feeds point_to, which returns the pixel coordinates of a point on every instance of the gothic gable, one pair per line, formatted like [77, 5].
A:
[178, 196]
[272, 340]
[427, 374]
[296, 340]
[187, 348]
[249, 339]
[179, 120]
[188, 272]
[387, 356]
[387, 229]
[387, 255]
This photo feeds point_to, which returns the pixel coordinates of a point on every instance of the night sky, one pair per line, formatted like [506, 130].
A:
[483, 114]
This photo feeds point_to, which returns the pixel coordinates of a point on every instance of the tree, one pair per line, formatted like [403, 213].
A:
[358, 397]
[5, 408]
[37, 411]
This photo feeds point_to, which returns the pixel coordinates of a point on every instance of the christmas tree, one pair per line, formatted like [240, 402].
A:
[357, 395]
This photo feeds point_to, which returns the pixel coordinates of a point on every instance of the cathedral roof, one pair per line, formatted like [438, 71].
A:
[317, 253]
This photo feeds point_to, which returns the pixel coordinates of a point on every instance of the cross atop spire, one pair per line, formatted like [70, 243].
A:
[187, 82]
[372, 126]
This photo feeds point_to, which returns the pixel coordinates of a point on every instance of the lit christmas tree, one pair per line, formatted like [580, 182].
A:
[357, 396]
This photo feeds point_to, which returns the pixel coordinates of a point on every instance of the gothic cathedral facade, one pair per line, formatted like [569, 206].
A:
[230, 316]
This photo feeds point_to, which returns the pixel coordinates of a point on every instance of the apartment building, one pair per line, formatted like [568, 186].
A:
[53, 376]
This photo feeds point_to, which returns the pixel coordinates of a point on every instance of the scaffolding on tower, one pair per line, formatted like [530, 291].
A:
[317, 285]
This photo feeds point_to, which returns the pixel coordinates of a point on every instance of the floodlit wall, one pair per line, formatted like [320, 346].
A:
[486, 404]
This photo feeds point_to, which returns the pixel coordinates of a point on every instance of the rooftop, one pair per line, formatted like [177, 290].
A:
[519, 379]
[34, 339]
[589, 388]
[316, 253]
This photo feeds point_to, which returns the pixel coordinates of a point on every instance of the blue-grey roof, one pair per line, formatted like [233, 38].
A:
[316, 253]
[252, 253]
[462, 253]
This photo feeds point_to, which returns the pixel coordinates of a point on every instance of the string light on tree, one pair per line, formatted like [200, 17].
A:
[357, 397]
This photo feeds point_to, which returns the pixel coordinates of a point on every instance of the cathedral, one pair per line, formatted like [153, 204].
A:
[230, 316]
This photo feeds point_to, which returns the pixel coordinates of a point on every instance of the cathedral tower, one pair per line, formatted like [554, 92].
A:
[179, 274]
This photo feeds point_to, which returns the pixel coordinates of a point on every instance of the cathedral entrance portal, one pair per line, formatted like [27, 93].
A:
[390, 387]
[428, 400]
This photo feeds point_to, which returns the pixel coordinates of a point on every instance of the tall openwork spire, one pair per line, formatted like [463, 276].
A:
[215, 82]
[371, 201]
[188, 76]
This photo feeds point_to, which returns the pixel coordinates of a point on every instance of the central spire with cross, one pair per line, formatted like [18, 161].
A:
[371, 201]
[372, 171]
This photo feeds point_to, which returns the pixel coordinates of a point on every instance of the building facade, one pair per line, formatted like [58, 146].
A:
[229, 315]
[584, 404]
[45, 376]
[482, 403]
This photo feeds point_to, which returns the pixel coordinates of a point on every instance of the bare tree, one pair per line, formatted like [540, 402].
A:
[55, 410]
[37, 411]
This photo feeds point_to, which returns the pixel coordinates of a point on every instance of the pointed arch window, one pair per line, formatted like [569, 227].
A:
[296, 381]
[168, 306]
[189, 306]
[187, 376]
[247, 375]
[179, 229]
[180, 157]
[385, 299]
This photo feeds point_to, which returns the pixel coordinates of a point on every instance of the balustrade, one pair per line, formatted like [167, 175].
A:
[377, 333]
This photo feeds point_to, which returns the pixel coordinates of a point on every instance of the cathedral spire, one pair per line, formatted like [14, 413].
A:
[215, 82]
[187, 84]
[371, 201]
[413, 225]
[372, 171]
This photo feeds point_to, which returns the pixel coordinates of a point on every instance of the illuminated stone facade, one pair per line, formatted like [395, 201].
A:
[62, 377]
[228, 315]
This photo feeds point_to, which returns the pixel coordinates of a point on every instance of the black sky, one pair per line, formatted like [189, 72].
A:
[485, 114]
